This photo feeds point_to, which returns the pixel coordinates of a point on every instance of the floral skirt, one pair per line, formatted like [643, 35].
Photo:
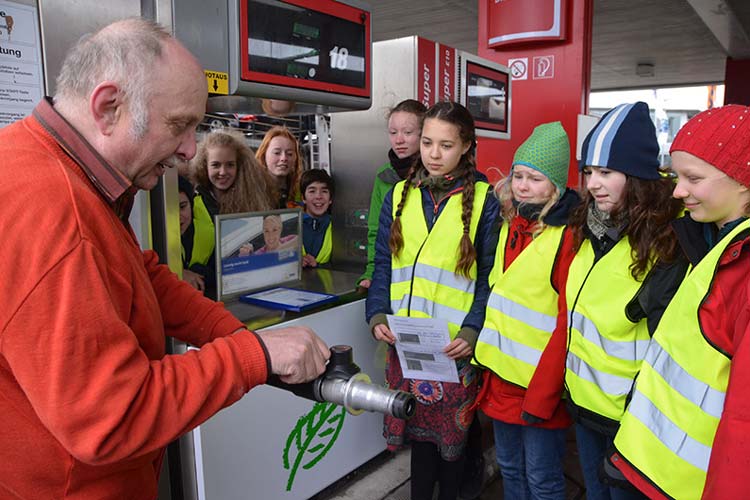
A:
[444, 410]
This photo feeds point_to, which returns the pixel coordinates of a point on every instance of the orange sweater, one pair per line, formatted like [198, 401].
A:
[89, 398]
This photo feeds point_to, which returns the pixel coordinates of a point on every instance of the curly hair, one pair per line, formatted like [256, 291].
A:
[649, 208]
[459, 116]
[252, 190]
[292, 180]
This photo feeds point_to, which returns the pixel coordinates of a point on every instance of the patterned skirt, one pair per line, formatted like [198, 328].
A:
[444, 410]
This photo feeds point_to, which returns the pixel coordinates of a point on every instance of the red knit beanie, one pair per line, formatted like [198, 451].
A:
[721, 137]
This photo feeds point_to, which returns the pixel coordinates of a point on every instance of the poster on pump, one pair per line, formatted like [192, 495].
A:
[21, 75]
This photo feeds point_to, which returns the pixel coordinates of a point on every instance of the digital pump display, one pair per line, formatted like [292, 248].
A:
[486, 97]
[325, 47]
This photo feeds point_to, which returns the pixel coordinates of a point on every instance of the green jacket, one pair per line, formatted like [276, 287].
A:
[385, 179]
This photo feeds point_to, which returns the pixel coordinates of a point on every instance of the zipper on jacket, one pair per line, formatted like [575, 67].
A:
[436, 204]
[435, 209]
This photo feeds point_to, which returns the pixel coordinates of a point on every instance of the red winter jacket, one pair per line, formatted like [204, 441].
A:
[725, 317]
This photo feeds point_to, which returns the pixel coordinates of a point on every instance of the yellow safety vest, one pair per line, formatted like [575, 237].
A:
[204, 239]
[326, 249]
[522, 308]
[424, 283]
[668, 429]
[605, 348]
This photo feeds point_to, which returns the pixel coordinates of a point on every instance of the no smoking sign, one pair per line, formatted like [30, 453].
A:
[519, 68]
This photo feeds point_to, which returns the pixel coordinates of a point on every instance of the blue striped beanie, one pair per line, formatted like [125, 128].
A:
[624, 140]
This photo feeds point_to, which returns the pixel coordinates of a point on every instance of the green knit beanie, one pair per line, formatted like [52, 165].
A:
[547, 150]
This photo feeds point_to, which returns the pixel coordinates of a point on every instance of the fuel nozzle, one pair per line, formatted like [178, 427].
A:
[344, 383]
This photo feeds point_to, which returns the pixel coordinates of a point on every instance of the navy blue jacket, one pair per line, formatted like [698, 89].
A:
[379, 294]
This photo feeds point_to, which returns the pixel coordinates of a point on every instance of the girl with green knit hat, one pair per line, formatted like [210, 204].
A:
[521, 314]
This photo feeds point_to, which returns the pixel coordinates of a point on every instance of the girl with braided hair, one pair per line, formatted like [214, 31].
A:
[433, 253]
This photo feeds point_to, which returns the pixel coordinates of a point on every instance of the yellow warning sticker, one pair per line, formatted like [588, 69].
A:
[218, 83]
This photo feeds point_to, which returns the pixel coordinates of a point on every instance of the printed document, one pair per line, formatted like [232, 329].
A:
[419, 344]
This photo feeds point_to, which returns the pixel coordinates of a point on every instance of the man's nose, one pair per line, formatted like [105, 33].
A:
[188, 146]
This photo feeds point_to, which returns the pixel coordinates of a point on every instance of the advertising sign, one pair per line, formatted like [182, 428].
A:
[513, 21]
[21, 84]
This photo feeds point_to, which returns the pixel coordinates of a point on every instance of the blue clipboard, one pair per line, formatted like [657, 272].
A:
[288, 299]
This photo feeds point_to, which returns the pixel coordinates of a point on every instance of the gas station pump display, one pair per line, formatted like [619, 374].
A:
[290, 43]
[485, 91]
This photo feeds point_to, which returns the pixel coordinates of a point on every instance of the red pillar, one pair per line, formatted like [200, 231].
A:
[556, 82]
[737, 90]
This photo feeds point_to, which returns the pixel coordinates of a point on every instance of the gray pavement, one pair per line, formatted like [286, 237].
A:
[386, 477]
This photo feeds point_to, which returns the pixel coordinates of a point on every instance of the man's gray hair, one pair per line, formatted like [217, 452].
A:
[124, 52]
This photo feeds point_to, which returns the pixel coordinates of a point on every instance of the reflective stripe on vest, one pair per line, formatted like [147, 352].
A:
[668, 430]
[605, 348]
[423, 278]
[522, 309]
[204, 239]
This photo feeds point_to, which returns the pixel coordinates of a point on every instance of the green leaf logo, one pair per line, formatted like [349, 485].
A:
[312, 437]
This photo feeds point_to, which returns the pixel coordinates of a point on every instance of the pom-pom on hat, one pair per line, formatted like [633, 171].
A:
[624, 139]
[547, 150]
[721, 137]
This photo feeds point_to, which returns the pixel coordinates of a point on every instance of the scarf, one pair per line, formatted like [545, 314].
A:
[602, 224]
[529, 211]
[402, 165]
[439, 186]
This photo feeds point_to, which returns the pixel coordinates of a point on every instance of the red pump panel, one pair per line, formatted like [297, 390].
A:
[551, 82]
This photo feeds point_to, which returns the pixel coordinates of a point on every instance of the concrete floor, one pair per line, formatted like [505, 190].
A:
[386, 477]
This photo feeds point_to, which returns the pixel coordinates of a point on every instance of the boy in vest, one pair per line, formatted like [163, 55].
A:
[317, 189]
[686, 430]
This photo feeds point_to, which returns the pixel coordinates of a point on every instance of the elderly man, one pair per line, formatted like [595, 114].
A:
[89, 397]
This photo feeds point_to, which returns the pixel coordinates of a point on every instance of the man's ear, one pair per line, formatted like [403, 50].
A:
[106, 105]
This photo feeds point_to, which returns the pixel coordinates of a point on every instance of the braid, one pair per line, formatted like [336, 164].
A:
[396, 241]
[468, 254]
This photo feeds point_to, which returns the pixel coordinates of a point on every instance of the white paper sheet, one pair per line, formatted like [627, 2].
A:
[419, 344]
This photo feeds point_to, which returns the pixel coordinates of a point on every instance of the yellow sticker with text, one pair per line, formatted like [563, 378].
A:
[218, 83]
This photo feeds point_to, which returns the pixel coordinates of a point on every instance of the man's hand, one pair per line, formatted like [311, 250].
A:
[297, 354]
[309, 261]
